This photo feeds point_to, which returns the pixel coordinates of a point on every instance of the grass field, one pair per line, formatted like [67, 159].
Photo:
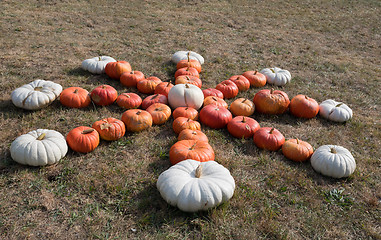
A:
[331, 48]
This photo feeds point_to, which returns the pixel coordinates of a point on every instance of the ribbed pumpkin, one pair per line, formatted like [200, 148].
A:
[242, 107]
[182, 123]
[104, 95]
[188, 134]
[129, 100]
[163, 88]
[219, 102]
[215, 117]
[83, 139]
[241, 81]
[303, 107]
[297, 150]
[75, 97]
[191, 149]
[242, 127]
[110, 129]
[268, 138]
[212, 92]
[228, 88]
[156, 98]
[189, 63]
[271, 101]
[160, 113]
[255, 78]
[187, 112]
[115, 69]
[131, 79]
[187, 71]
[186, 79]
[185, 95]
[148, 85]
[137, 120]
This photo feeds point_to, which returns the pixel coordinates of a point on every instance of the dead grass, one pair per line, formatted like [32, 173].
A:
[331, 48]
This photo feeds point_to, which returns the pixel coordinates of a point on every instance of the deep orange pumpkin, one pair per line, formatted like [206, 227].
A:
[110, 129]
[242, 127]
[83, 139]
[137, 120]
[156, 98]
[187, 112]
[215, 117]
[268, 138]
[188, 134]
[212, 92]
[131, 79]
[241, 81]
[304, 107]
[115, 69]
[104, 95]
[297, 150]
[271, 101]
[242, 107]
[187, 71]
[191, 149]
[182, 123]
[75, 97]
[163, 88]
[228, 88]
[219, 102]
[186, 79]
[148, 85]
[160, 113]
[129, 100]
[189, 63]
[255, 78]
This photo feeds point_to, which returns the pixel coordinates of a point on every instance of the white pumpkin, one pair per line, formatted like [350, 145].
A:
[277, 76]
[185, 95]
[333, 161]
[335, 111]
[193, 186]
[39, 148]
[183, 55]
[36, 95]
[96, 65]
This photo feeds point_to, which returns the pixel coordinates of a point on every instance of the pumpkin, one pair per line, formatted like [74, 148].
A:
[189, 63]
[36, 95]
[268, 138]
[242, 107]
[182, 123]
[160, 113]
[131, 79]
[255, 78]
[148, 85]
[115, 69]
[215, 117]
[303, 107]
[228, 88]
[277, 76]
[39, 148]
[83, 139]
[212, 92]
[333, 161]
[191, 149]
[110, 129]
[186, 79]
[96, 65]
[182, 55]
[185, 95]
[187, 112]
[156, 98]
[163, 88]
[335, 111]
[104, 95]
[75, 97]
[192, 186]
[271, 101]
[241, 81]
[242, 127]
[187, 71]
[129, 100]
[297, 150]
[219, 102]
[137, 120]
[189, 134]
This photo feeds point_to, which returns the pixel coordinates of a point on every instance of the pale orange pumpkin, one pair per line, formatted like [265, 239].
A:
[160, 113]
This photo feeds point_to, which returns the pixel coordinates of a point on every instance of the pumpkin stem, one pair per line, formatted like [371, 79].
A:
[88, 130]
[186, 85]
[186, 108]
[155, 96]
[297, 140]
[132, 72]
[244, 100]
[191, 148]
[243, 119]
[194, 133]
[76, 90]
[99, 58]
[272, 90]
[255, 73]
[214, 98]
[198, 171]
[333, 150]
[168, 84]
[187, 77]
[37, 88]
[338, 105]
[306, 97]
[272, 70]
[188, 56]
[272, 130]
[41, 136]
[138, 112]
[125, 94]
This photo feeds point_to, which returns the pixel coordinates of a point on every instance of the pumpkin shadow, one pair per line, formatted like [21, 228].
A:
[8, 166]
[78, 71]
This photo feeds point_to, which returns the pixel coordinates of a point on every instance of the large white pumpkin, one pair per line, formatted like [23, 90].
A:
[193, 186]
[277, 76]
[36, 95]
[185, 95]
[333, 161]
[96, 65]
[335, 111]
[183, 55]
[39, 148]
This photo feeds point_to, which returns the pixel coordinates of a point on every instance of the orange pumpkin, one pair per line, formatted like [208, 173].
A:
[163, 88]
[182, 123]
[83, 139]
[187, 71]
[191, 149]
[255, 78]
[129, 100]
[75, 97]
[188, 134]
[297, 150]
[189, 63]
[242, 107]
[304, 107]
[241, 81]
[268, 138]
[187, 112]
[104, 95]
[160, 113]
[110, 129]
[115, 69]
[131, 79]
[148, 85]
[186, 79]
[242, 127]
[219, 102]
[228, 88]
[271, 101]
[137, 120]
[156, 98]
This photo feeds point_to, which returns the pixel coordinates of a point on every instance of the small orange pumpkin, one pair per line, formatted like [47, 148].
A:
[255, 78]
[163, 88]
[131, 79]
[241, 81]
[110, 129]
[182, 123]
[297, 150]
[188, 134]
[191, 149]
[304, 107]
[187, 112]
[148, 85]
[189, 63]
[129, 100]
[115, 69]
[83, 139]
[137, 120]
[186, 79]
[219, 102]
[75, 97]
[242, 107]
[160, 113]
[187, 71]
[271, 101]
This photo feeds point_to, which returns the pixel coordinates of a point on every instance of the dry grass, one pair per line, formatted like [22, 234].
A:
[332, 49]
